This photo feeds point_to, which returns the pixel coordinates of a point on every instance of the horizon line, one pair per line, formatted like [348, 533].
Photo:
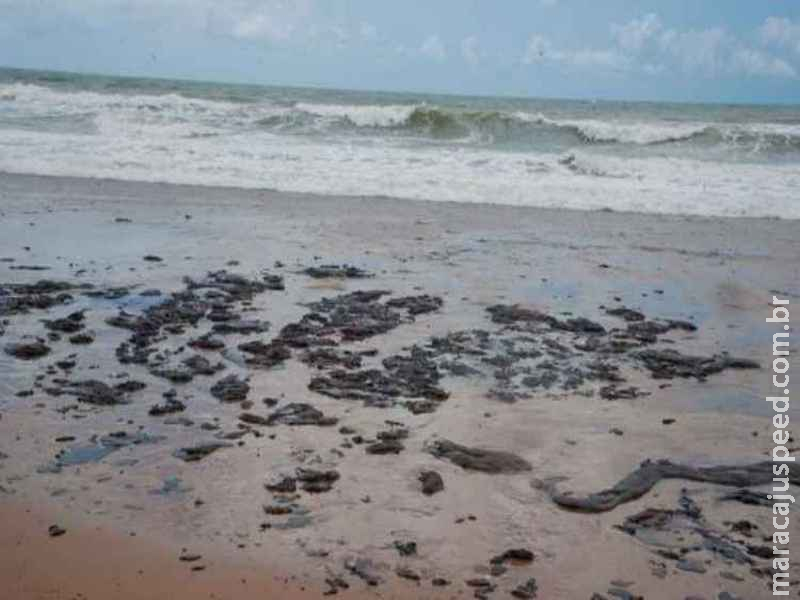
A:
[323, 87]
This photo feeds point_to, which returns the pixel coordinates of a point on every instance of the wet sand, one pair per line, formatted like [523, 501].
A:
[716, 274]
[103, 562]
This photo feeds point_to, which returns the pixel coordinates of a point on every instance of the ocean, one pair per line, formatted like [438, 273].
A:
[699, 159]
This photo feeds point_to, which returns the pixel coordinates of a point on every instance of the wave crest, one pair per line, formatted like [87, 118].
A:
[519, 129]
[446, 123]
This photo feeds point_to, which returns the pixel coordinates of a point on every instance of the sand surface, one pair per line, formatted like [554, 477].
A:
[131, 514]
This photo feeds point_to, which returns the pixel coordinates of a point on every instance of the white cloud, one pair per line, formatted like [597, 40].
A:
[635, 34]
[755, 62]
[781, 32]
[276, 21]
[598, 58]
[645, 45]
[470, 51]
[262, 26]
[433, 48]
[653, 68]
[541, 50]
[272, 20]
[340, 34]
[368, 31]
[705, 50]
[713, 51]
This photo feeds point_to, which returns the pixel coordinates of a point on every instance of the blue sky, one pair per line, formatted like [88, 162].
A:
[684, 50]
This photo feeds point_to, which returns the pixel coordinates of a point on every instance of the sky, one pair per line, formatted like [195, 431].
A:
[679, 50]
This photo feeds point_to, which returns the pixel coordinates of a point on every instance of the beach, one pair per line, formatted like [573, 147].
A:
[516, 352]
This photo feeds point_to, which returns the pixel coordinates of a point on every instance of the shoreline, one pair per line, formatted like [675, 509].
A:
[381, 199]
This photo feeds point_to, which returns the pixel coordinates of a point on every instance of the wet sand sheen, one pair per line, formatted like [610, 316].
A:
[716, 272]
[100, 562]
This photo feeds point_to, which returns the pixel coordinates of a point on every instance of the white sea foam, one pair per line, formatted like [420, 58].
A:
[620, 131]
[649, 185]
[661, 131]
[637, 133]
[32, 96]
[362, 115]
[172, 138]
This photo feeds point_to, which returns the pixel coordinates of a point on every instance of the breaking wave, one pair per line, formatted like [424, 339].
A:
[440, 123]
[423, 121]
[649, 157]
